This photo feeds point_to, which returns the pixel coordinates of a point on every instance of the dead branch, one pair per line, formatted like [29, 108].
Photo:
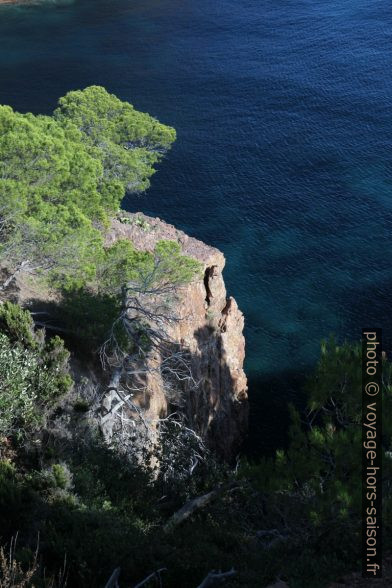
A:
[52, 327]
[113, 580]
[194, 505]
[216, 577]
[155, 575]
[22, 266]
[148, 311]
[189, 509]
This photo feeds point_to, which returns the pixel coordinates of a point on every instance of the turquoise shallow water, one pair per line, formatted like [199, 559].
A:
[283, 159]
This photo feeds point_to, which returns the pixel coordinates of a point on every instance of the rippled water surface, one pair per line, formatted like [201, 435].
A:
[284, 151]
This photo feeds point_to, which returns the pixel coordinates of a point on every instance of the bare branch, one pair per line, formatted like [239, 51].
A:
[216, 577]
[196, 504]
[140, 350]
[155, 575]
[113, 580]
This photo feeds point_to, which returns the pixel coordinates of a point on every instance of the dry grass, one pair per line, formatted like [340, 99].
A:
[11, 573]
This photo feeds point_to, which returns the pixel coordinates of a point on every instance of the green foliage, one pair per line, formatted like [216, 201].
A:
[17, 324]
[126, 142]
[172, 266]
[315, 486]
[92, 313]
[62, 176]
[81, 405]
[338, 376]
[88, 315]
[62, 476]
[142, 223]
[103, 117]
[166, 265]
[122, 263]
[33, 373]
[104, 511]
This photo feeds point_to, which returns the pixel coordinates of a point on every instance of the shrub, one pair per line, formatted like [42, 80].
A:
[33, 373]
[17, 324]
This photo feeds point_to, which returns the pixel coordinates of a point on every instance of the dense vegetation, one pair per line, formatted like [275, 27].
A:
[33, 373]
[296, 516]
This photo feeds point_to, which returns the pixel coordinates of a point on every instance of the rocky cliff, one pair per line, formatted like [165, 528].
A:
[211, 328]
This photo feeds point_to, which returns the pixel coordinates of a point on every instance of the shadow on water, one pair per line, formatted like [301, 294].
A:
[269, 419]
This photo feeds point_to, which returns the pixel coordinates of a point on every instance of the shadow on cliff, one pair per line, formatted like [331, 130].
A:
[255, 427]
[214, 409]
[220, 410]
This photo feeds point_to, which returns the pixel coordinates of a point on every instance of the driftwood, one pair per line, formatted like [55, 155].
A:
[215, 578]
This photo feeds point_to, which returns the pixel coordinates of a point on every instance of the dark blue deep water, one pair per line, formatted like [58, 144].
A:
[284, 153]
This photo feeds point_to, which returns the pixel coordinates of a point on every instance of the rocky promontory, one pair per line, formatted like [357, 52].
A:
[211, 328]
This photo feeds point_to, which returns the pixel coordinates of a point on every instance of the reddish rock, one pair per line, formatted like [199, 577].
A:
[211, 327]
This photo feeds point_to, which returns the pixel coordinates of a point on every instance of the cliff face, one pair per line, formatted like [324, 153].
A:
[211, 328]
